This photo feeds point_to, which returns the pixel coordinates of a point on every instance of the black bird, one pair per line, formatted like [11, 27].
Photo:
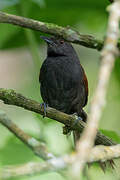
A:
[63, 83]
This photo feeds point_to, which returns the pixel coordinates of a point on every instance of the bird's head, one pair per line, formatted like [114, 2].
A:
[58, 47]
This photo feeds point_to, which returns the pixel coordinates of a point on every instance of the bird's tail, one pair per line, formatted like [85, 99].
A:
[76, 137]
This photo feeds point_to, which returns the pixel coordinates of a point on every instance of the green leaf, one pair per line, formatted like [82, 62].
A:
[7, 3]
[112, 134]
[13, 147]
[41, 3]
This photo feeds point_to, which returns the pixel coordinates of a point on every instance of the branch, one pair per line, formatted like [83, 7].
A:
[108, 56]
[28, 169]
[98, 153]
[53, 163]
[12, 98]
[38, 148]
[104, 153]
[68, 34]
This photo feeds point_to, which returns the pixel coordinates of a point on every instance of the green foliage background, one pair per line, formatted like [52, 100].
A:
[21, 54]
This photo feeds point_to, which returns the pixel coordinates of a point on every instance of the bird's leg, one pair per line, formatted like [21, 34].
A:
[77, 119]
[67, 129]
[44, 106]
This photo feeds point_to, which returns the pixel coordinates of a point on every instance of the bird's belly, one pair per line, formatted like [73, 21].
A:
[56, 89]
[61, 87]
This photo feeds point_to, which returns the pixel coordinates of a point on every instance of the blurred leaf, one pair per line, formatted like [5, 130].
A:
[13, 147]
[7, 3]
[7, 32]
[41, 3]
[112, 134]
[9, 35]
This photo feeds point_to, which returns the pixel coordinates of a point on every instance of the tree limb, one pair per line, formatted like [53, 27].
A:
[66, 33]
[12, 98]
[98, 153]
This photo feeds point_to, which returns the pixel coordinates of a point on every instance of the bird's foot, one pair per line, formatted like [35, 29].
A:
[78, 118]
[67, 129]
[44, 106]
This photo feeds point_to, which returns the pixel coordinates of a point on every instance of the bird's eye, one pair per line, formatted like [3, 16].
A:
[62, 41]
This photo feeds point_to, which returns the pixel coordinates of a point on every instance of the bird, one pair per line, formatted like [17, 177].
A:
[63, 82]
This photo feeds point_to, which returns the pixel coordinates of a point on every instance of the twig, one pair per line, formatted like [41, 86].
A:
[38, 148]
[28, 169]
[108, 55]
[32, 168]
[98, 153]
[67, 33]
[12, 98]
[103, 153]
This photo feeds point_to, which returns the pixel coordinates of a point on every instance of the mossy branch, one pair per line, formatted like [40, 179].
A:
[64, 32]
[12, 98]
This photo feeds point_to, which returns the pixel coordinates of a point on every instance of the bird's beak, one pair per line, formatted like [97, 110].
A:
[47, 39]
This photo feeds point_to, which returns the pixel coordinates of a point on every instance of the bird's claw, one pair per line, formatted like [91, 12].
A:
[78, 118]
[44, 106]
[67, 129]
